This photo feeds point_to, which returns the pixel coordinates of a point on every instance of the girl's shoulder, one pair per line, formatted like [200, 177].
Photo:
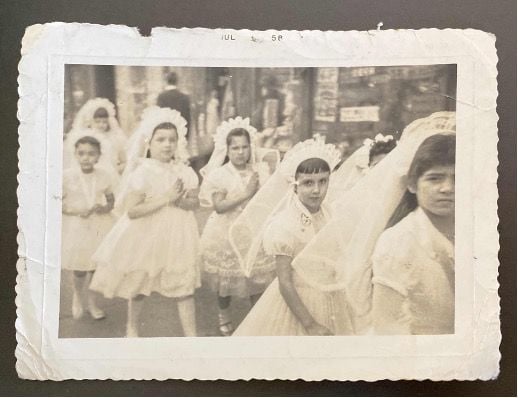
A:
[187, 174]
[219, 175]
[398, 240]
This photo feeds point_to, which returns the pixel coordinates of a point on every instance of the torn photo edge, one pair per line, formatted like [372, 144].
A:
[472, 353]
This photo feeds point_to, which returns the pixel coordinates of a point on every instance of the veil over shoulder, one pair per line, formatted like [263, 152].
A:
[339, 255]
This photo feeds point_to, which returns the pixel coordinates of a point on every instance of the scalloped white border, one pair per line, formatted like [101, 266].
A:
[472, 353]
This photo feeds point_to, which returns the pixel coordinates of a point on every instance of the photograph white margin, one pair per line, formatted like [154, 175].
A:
[471, 353]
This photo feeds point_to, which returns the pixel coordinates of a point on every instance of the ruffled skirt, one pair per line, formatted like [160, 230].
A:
[221, 269]
[155, 253]
[80, 239]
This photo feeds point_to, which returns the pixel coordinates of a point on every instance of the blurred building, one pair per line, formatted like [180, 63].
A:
[346, 104]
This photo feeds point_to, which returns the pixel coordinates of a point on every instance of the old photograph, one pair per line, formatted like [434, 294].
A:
[222, 204]
[202, 201]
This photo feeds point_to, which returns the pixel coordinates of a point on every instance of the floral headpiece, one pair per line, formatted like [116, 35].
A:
[86, 114]
[311, 148]
[220, 138]
[151, 118]
[363, 155]
[379, 138]
[220, 142]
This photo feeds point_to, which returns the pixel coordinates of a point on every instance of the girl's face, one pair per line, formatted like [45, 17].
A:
[435, 191]
[163, 144]
[101, 124]
[239, 151]
[87, 156]
[311, 189]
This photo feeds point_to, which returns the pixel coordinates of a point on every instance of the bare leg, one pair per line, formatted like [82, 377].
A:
[93, 309]
[186, 311]
[225, 317]
[134, 308]
[77, 298]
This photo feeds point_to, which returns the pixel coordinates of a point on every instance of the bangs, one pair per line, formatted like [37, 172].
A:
[312, 166]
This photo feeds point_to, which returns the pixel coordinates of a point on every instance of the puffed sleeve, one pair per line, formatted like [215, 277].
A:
[277, 240]
[104, 182]
[392, 260]
[214, 182]
[138, 183]
[189, 178]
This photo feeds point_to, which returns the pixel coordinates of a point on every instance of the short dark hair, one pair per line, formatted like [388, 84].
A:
[100, 112]
[162, 126]
[381, 148]
[312, 166]
[172, 78]
[88, 140]
[238, 132]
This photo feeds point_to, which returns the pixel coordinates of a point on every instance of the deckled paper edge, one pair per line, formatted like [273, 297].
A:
[28, 350]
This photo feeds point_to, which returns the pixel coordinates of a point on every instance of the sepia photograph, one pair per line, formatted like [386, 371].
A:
[233, 204]
[231, 201]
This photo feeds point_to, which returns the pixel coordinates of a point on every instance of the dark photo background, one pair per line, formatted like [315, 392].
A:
[496, 17]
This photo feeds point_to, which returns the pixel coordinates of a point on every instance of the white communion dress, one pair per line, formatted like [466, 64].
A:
[417, 261]
[221, 268]
[287, 234]
[156, 252]
[81, 236]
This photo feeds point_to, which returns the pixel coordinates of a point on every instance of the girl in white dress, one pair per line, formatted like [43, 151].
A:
[97, 118]
[227, 188]
[291, 306]
[153, 246]
[414, 280]
[87, 204]
[340, 257]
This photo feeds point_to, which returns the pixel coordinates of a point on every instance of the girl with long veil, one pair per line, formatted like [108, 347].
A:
[97, 118]
[234, 173]
[414, 281]
[153, 247]
[290, 306]
[340, 257]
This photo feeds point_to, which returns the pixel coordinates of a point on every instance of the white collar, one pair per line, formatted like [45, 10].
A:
[170, 87]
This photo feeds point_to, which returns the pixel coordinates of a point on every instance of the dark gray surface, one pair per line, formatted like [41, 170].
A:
[498, 17]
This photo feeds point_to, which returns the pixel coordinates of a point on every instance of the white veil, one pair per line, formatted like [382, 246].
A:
[339, 255]
[82, 126]
[139, 144]
[246, 232]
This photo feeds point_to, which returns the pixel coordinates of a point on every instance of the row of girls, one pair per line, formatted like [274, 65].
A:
[338, 252]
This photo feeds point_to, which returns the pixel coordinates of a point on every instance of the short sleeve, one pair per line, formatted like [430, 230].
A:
[214, 182]
[277, 241]
[189, 178]
[138, 181]
[104, 182]
[392, 261]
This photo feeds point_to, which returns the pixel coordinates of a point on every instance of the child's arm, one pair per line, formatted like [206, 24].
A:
[110, 202]
[387, 310]
[223, 205]
[292, 298]
[189, 201]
